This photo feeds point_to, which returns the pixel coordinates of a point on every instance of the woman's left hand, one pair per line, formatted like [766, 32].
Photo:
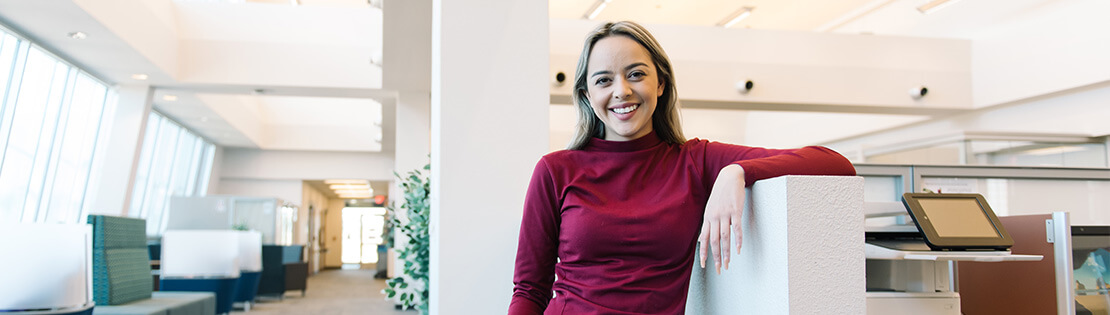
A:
[722, 216]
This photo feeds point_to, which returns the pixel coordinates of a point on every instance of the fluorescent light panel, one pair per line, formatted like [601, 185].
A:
[935, 5]
[346, 181]
[349, 186]
[1055, 150]
[736, 17]
[596, 9]
[353, 192]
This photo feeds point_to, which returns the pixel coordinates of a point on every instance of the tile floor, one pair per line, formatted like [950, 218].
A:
[333, 292]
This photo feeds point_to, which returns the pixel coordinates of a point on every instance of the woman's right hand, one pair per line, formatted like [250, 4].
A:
[722, 216]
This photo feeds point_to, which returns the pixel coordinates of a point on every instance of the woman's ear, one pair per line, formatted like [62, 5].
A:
[662, 87]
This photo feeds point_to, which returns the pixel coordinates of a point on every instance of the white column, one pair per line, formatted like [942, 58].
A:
[407, 69]
[802, 252]
[489, 128]
[119, 161]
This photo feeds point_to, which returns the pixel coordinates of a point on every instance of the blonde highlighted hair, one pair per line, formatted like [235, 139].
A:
[665, 120]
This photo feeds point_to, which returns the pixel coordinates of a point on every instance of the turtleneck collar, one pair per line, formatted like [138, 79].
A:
[647, 141]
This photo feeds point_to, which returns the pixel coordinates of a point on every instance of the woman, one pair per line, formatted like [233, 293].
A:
[616, 217]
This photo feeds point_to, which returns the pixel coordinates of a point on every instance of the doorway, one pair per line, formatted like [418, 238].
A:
[362, 233]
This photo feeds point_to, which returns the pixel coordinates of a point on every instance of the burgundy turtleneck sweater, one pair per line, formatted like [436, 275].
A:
[612, 228]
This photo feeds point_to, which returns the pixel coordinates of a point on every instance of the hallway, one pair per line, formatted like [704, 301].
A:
[333, 292]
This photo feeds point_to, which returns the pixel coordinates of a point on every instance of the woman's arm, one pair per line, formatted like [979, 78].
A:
[741, 166]
[538, 245]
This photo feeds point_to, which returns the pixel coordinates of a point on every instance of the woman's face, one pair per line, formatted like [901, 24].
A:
[623, 87]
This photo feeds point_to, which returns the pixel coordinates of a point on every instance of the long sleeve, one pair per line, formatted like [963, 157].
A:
[538, 245]
[761, 163]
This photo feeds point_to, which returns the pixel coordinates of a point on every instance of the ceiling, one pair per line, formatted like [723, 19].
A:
[109, 53]
[798, 15]
[959, 19]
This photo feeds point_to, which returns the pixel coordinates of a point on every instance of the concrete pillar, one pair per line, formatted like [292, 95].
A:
[119, 158]
[802, 252]
[489, 128]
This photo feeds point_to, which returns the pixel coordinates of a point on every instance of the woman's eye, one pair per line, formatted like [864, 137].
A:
[637, 74]
[601, 81]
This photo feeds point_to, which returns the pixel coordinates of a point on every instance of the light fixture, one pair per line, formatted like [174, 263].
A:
[735, 17]
[346, 181]
[349, 186]
[140, 76]
[77, 35]
[935, 5]
[596, 9]
[169, 97]
[1055, 150]
[353, 192]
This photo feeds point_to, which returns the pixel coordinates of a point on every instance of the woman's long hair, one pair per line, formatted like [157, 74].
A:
[665, 120]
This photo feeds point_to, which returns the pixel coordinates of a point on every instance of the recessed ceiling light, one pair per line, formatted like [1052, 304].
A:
[140, 76]
[77, 35]
[169, 97]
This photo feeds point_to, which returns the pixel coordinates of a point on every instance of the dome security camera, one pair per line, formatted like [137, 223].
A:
[560, 78]
[745, 86]
[918, 92]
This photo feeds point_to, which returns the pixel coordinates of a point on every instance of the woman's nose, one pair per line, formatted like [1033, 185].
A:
[621, 89]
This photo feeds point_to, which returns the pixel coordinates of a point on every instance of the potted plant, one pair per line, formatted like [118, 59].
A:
[410, 289]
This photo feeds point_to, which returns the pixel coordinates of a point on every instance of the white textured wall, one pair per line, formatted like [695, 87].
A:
[802, 252]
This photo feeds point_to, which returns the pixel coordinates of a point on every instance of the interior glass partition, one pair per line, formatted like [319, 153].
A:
[1082, 192]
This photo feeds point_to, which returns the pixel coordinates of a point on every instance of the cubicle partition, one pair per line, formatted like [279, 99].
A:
[802, 253]
[202, 260]
[250, 267]
[47, 269]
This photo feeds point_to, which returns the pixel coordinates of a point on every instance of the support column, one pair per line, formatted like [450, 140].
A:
[489, 128]
[120, 155]
[407, 69]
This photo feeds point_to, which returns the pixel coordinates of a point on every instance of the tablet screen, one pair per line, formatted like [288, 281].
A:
[958, 217]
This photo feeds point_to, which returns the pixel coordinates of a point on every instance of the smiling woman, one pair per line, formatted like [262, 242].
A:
[619, 214]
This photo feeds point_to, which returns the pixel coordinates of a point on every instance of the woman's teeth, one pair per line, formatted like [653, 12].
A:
[625, 110]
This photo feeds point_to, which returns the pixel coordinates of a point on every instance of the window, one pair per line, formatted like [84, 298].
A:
[51, 121]
[173, 162]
